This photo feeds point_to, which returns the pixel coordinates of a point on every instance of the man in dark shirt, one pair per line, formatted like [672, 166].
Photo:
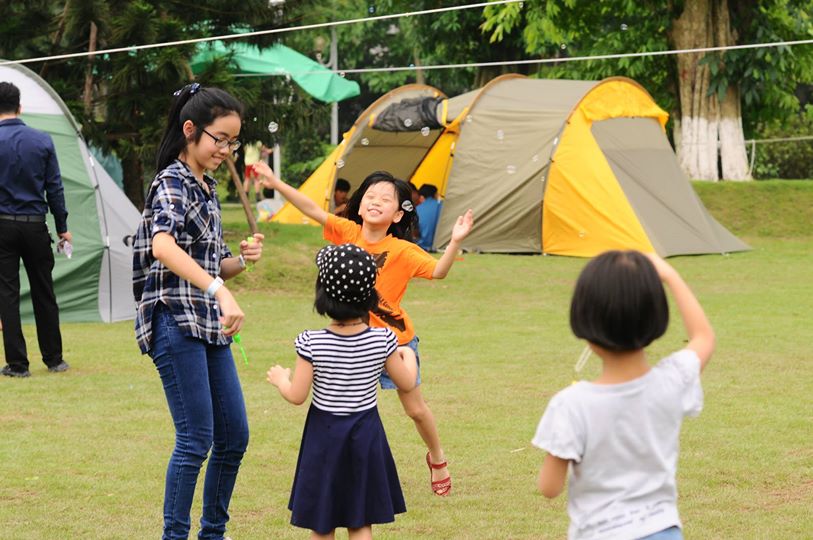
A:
[30, 184]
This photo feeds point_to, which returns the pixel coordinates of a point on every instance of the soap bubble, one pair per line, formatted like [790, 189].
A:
[273, 127]
[340, 164]
[535, 158]
[563, 46]
[582, 234]
[371, 10]
[500, 134]
[469, 119]
[341, 74]
[365, 141]
[624, 27]
[408, 122]
[425, 131]
[511, 169]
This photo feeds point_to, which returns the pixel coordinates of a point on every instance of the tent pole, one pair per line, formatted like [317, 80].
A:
[252, 223]
[334, 107]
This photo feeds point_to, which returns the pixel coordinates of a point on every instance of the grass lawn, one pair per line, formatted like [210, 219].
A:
[83, 454]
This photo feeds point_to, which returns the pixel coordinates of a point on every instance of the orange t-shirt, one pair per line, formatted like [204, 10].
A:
[398, 261]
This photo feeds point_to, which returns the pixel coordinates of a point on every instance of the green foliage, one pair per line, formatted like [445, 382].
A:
[566, 29]
[786, 159]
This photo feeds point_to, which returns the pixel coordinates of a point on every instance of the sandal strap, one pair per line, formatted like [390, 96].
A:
[438, 465]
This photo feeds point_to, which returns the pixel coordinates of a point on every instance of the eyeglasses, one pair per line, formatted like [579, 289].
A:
[222, 142]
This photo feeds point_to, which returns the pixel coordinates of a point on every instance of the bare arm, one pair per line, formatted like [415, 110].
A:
[698, 328]
[461, 229]
[303, 203]
[182, 265]
[552, 476]
[294, 391]
[402, 367]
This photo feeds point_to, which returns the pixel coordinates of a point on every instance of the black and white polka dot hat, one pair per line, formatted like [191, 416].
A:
[347, 272]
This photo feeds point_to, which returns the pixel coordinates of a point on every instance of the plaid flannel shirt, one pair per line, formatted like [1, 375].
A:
[176, 204]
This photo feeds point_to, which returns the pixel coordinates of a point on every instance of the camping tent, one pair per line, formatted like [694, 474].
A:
[96, 283]
[365, 149]
[549, 166]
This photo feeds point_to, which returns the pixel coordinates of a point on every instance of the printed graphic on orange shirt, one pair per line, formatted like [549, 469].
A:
[385, 312]
[380, 260]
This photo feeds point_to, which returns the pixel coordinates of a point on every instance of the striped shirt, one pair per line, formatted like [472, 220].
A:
[346, 368]
[176, 204]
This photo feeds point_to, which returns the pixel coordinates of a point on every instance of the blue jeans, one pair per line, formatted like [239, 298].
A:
[672, 533]
[206, 403]
[386, 382]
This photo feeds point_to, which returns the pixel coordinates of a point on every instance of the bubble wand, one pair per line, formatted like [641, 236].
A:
[239, 341]
[580, 363]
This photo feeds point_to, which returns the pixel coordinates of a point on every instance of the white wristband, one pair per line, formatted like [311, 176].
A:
[214, 286]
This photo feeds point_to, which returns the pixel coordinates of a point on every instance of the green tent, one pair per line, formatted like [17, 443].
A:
[95, 284]
[313, 77]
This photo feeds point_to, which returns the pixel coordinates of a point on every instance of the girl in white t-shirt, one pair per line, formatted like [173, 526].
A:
[619, 434]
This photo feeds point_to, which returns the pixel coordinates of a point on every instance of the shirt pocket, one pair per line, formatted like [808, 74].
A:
[199, 222]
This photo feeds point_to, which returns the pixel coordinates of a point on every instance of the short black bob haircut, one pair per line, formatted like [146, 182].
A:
[408, 224]
[342, 311]
[9, 98]
[619, 302]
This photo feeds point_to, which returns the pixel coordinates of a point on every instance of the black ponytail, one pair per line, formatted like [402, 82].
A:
[405, 228]
[200, 105]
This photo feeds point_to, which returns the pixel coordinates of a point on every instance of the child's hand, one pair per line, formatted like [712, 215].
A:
[267, 176]
[252, 251]
[277, 374]
[463, 226]
[663, 268]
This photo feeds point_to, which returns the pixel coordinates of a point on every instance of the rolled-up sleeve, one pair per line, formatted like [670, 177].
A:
[169, 207]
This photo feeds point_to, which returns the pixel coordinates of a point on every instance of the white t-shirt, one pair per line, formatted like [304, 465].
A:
[622, 441]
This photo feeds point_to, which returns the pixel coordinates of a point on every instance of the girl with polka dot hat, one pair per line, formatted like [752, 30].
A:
[345, 474]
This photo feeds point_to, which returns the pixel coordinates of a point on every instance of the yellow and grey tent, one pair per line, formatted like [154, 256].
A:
[548, 166]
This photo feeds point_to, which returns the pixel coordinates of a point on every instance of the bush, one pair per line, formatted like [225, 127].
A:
[785, 159]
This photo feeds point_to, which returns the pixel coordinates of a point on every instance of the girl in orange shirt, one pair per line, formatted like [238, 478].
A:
[380, 219]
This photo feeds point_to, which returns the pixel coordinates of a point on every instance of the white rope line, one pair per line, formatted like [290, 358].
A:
[539, 60]
[256, 33]
[781, 139]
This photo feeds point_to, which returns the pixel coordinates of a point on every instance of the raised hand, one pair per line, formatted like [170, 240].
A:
[462, 226]
[267, 176]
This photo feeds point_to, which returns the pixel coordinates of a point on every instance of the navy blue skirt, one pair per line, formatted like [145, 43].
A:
[345, 474]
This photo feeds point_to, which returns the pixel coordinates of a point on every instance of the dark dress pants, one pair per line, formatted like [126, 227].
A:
[30, 242]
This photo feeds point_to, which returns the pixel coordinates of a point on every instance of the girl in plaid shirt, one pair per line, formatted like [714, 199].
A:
[186, 316]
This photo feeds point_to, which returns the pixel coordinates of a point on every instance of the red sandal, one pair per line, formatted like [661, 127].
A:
[440, 487]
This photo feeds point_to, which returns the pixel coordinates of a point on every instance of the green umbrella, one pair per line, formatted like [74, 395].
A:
[313, 77]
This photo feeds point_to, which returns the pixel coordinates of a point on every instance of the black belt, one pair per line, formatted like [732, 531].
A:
[29, 219]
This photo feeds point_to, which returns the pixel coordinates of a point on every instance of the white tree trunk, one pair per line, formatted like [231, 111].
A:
[708, 128]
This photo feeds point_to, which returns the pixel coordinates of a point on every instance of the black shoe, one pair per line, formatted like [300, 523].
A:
[8, 372]
[59, 368]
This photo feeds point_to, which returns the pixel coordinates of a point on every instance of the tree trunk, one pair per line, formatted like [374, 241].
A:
[732, 140]
[87, 96]
[697, 151]
[133, 181]
[709, 128]
[420, 75]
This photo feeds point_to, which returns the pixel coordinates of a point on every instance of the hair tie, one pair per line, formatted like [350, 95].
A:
[193, 89]
[407, 206]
